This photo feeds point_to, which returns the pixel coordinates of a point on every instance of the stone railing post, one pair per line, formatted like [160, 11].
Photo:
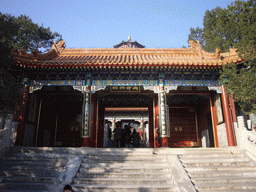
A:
[241, 128]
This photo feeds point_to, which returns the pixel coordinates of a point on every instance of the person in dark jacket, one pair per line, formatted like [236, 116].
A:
[127, 135]
[123, 138]
[118, 136]
[136, 139]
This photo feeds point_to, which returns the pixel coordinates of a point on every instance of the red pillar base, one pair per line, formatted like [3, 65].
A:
[164, 142]
[86, 142]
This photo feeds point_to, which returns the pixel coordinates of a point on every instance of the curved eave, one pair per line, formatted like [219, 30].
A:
[120, 66]
[154, 58]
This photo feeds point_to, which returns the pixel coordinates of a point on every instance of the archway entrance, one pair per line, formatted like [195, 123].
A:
[190, 118]
[135, 118]
[59, 117]
[128, 109]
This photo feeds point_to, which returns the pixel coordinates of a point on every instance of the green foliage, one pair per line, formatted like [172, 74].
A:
[30, 36]
[10, 90]
[21, 33]
[240, 81]
[18, 33]
[233, 27]
[219, 30]
[197, 35]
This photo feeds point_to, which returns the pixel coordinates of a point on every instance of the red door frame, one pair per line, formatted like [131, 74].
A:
[98, 122]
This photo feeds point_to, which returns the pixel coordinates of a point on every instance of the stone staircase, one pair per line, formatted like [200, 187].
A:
[44, 169]
[31, 169]
[124, 170]
[219, 169]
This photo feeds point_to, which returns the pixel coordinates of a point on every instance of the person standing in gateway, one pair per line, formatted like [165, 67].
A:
[118, 135]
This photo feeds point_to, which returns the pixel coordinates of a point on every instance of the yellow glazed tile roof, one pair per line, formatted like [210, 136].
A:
[59, 57]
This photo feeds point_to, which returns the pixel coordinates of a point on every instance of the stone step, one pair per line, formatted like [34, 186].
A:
[180, 151]
[123, 175]
[222, 187]
[134, 161]
[29, 168]
[48, 150]
[123, 170]
[218, 174]
[222, 180]
[33, 157]
[219, 164]
[19, 156]
[210, 156]
[213, 160]
[124, 158]
[127, 188]
[124, 165]
[122, 153]
[232, 190]
[118, 150]
[25, 179]
[123, 181]
[33, 163]
[24, 187]
[213, 149]
[208, 169]
[39, 173]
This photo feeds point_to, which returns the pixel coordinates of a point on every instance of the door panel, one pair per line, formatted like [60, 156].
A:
[183, 127]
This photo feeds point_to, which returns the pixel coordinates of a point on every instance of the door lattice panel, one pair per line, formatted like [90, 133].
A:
[183, 131]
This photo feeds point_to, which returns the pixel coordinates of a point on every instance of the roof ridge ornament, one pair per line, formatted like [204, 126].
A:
[129, 44]
[58, 47]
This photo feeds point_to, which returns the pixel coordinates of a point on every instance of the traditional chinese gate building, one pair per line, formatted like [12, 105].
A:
[72, 94]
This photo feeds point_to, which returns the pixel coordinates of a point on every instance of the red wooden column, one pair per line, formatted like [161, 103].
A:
[151, 126]
[20, 115]
[232, 108]
[214, 122]
[101, 126]
[227, 117]
[154, 122]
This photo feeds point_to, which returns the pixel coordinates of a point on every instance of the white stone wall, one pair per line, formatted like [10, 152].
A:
[222, 135]
[205, 138]
[8, 131]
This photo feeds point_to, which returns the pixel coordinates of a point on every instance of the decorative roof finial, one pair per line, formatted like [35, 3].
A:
[129, 38]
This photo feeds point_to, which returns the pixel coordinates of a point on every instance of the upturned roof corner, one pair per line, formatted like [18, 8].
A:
[58, 47]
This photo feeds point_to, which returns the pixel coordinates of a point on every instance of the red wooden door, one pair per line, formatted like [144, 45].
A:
[183, 127]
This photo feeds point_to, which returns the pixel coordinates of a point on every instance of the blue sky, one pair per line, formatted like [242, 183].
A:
[104, 23]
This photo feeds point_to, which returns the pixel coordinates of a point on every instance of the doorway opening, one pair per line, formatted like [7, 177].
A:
[133, 118]
[190, 117]
[59, 117]
[133, 110]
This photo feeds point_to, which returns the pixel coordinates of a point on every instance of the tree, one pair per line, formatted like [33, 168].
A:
[240, 79]
[234, 27]
[18, 33]
[197, 35]
[21, 33]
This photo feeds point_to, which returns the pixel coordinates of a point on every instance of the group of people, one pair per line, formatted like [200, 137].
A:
[127, 137]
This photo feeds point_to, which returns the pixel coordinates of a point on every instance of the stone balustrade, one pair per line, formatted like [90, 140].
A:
[247, 137]
[8, 131]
